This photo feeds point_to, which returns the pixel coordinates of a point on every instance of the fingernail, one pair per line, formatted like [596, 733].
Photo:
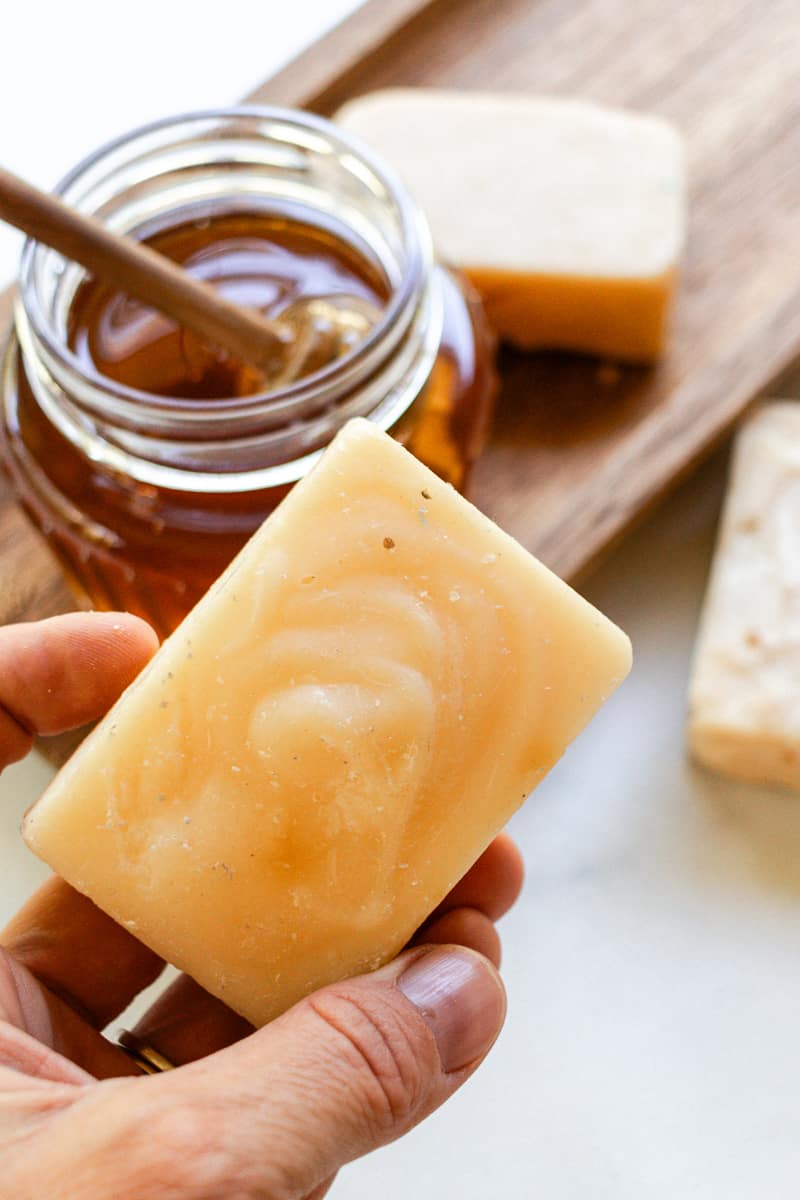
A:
[462, 1000]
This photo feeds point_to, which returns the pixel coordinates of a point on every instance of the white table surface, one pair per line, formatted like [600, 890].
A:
[652, 1049]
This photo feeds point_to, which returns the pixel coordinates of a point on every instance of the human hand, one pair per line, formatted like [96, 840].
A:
[269, 1114]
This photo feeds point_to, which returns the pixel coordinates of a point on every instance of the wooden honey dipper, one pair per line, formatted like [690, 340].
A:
[310, 332]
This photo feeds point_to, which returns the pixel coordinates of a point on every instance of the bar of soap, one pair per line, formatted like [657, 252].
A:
[332, 736]
[744, 696]
[569, 218]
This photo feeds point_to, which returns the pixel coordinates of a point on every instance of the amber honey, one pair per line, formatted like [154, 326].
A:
[143, 514]
[256, 261]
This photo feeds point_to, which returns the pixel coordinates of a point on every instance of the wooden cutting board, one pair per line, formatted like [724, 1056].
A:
[580, 450]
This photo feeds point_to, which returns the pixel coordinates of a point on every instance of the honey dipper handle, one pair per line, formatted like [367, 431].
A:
[141, 272]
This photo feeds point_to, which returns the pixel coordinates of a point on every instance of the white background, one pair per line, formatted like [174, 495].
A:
[653, 965]
[76, 74]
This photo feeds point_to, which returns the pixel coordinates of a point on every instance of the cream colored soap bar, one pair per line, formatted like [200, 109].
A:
[744, 698]
[332, 736]
[569, 218]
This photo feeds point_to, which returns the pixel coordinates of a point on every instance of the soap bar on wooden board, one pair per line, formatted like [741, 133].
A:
[332, 736]
[568, 217]
[744, 695]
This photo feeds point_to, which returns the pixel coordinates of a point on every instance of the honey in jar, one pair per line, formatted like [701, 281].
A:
[146, 457]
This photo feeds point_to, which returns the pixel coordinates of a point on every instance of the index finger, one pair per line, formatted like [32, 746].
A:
[55, 675]
[60, 673]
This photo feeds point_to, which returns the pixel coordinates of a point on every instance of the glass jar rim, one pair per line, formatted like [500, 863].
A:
[136, 403]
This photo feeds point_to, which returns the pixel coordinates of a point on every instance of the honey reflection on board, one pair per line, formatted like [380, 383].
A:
[559, 418]
[556, 399]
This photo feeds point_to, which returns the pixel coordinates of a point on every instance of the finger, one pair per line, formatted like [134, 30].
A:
[22, 1008]
[186, 1023]
[42, 1036]
[462, 927]
[23, 1055]
[60, 673]
[345, 1071]
[54, 674]
[15, 741]
[323, 1189]
[81, 955]
[492, 884]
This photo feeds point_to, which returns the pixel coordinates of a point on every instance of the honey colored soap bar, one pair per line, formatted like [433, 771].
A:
[568, 217]
[744, 696]
[332, 736]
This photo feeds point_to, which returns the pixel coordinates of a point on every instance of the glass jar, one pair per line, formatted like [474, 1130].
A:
[146, 497]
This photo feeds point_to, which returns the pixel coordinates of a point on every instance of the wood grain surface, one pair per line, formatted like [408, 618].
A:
[581, 449]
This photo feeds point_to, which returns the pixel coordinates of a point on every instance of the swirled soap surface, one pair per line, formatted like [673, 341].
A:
[332, 736]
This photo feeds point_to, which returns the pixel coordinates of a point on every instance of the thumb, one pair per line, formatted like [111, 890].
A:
[348, 1069]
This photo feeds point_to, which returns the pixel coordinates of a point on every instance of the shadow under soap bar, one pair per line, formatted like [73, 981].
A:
[332, 736]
